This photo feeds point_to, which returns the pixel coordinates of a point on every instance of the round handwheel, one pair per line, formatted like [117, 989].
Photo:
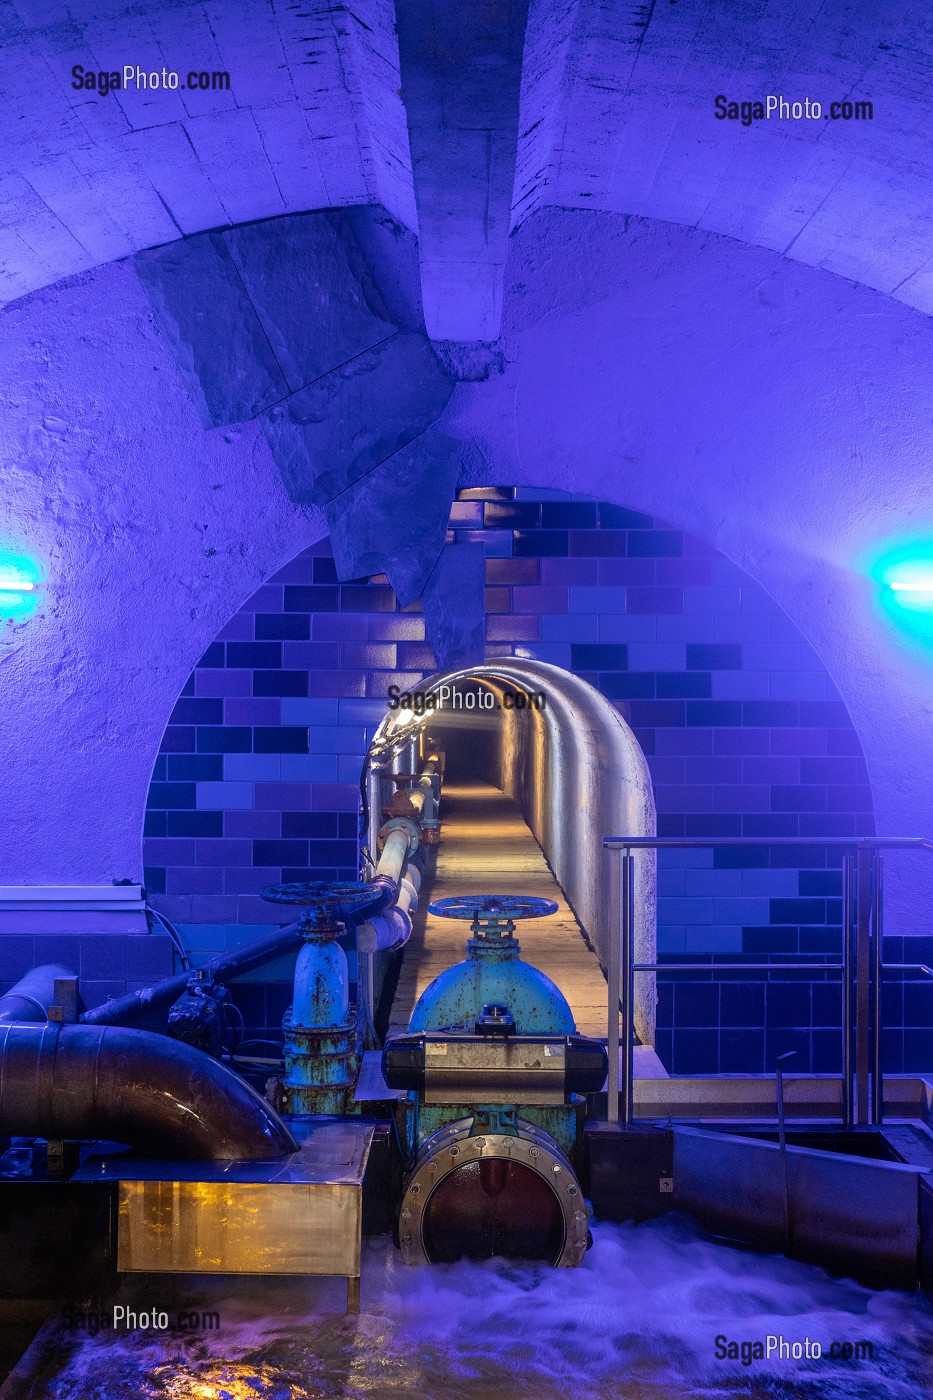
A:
[341, 900]
[496, 906]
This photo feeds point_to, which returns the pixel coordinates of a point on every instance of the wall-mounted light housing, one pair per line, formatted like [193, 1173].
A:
[19, 585]
[905, 574]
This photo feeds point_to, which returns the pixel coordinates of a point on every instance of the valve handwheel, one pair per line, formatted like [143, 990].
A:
[329, 900]
[512, 907]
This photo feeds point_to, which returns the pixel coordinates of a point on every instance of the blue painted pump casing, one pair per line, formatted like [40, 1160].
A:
[492, 972]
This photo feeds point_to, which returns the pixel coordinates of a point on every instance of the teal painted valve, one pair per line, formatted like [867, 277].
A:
[322, 1032]
[492, 974]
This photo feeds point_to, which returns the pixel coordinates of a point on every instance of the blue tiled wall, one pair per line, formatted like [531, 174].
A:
[743, 729]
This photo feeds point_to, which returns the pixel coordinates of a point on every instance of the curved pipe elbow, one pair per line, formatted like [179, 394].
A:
[158, 1095]
[389, 930]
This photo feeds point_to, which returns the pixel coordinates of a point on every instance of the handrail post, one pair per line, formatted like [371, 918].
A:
[863, 903]
[628, 981]
[616, 935]
[877, 971]
[847, 1116]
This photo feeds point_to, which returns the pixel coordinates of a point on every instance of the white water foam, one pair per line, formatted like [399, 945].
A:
[638, 1321]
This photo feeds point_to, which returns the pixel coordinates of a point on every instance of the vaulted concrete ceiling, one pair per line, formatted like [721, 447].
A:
[591, 104]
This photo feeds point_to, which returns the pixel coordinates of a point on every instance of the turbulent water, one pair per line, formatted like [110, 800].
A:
[639, 1321]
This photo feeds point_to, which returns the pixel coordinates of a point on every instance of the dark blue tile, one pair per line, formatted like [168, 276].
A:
[798, 797]
[787, 1004]
[194, 824]
[671, 824]
[598, 657]
[198, 712]
[778, 714]
[549, 544]
[613, 517]
[653, 713]
[742, 1004]
[821, 940]
[770, 824]
[626, 685]
[741, 1051]
[918, 1003]
[280, 853]
[819, 714]
[172, 795]
[366, 598]
[286, 626]
[892, 1050]
[798, 911]
[252, 654]
[827, 1052]
[696, 1004]
[712, 824]
[684, 685]
[154, 879]
[714, 712]
[333, 853]
[644, 544]
[324, 570]
[826, 1002]
[188, 687]
[764, 938]
[696, 1052]
[284, 683]
[569, 515]
[348, 825]
[665, 601]
[225, 739]
[740, 858]
[214, 656]
[178, 739]
[311, 598]
[783, 1039]
[280, 739]
[160, 769]
[317, 824]
[918, 1051]
[703, 657]
[154, 824]
[816, 882]
[195, 767]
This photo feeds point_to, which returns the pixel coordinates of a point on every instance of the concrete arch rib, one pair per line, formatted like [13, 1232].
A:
[577, 772]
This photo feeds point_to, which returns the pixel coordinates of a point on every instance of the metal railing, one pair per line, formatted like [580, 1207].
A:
[862, 967]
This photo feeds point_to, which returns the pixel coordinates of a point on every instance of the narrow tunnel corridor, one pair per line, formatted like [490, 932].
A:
[487, 848]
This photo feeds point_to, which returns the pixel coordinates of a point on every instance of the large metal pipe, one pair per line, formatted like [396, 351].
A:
[156, 1094]
[32, 995]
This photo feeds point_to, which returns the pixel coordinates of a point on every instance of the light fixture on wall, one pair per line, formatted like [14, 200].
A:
[19, 585]
[905, 574]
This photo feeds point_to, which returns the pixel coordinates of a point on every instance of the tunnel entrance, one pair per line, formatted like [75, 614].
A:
[538, 767]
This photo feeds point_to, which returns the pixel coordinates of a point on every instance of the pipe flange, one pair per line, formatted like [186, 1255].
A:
[411, 828]
[452, 1147]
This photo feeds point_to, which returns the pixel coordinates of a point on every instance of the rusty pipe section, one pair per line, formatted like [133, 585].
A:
[31, 997]
[158, 1095]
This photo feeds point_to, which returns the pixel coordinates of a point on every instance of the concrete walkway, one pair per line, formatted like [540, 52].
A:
[487, 848]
